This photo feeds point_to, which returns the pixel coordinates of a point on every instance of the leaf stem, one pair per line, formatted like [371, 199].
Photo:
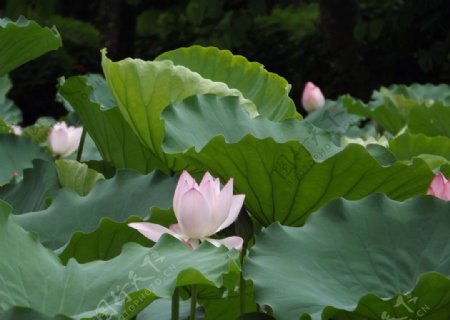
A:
[242, 288]
[193, 302]
[80, 147]
[175, 305]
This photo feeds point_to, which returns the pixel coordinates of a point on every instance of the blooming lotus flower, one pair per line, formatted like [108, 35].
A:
[440, 187]
[17, 130]
[64, 140]
[201, 211]
[312, 98]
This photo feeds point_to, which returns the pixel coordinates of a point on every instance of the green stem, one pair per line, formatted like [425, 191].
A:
[175, 305]
[80, 147]
[193, 302]
[242, 288]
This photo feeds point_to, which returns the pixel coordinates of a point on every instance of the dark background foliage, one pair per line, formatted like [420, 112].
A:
[344, 46]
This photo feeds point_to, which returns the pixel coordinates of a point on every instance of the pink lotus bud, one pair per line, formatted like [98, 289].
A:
[440, 187]
[64, 140]
[201, 211]
[312, 98]
[17, 130]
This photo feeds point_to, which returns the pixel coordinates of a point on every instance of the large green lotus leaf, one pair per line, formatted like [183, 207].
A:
[431, 121]
[116, 141]
[419, 93]
[408, 146]
[391, 114]
[8, 110]
[37, 132]
[333, 117]
[106, 241]
[383, 155]
[143, 89]
[77, 176]
[225, 308]
[267, 90]
[391, 106]
[350, 249]
[288, 169]
[16, 154]
[24, 40]
[20, 313]
[4, 128]
[33, 277]
[161, 310]
[127, 194]
[39, 184]
[103, 167]
[90, 150]
[433, 289]
[445, 169]
[255, 316]
[214, 116]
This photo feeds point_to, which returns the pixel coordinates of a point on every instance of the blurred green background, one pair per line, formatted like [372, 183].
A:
[343, 46]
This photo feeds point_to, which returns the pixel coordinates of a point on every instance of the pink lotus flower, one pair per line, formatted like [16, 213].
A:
[312, 98]
[64, 140]
[201, 211]
[440, 187]
[17, 130]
